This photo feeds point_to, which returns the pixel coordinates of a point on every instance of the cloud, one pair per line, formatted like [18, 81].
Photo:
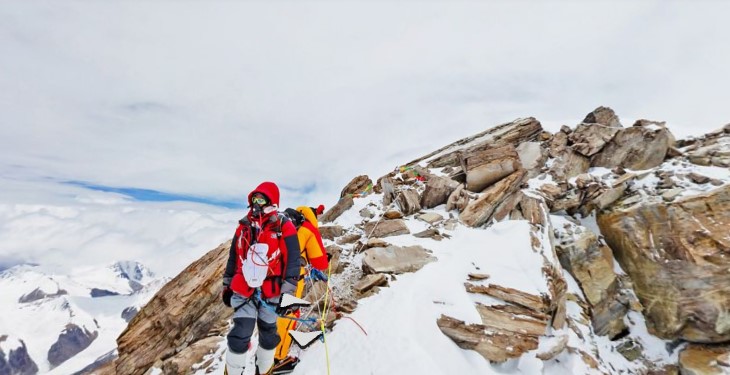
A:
[208, 100]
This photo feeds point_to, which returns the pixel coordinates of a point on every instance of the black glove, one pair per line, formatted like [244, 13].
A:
[226, 295]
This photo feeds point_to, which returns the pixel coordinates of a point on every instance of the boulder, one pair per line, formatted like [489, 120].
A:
[514, 133]
[359, 185]
[408, 201]
[437, 191]
[636, 147]
[676, 256]
[458, 199]
[588, 139]
[494, 346]
[344, 204]
[395, 259]
[532, 157]
[481, 210]
[330, 232]
[430, 217]
[393, 214]
[485, 167]
[370, 281]
[568, 164]
[704, 360]
[385, 228]
[711, 150]
[604, 116]
[591, 265]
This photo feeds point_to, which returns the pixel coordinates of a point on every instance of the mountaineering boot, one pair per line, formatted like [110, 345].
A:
[235, 363]
[284, 366]
[264, 360]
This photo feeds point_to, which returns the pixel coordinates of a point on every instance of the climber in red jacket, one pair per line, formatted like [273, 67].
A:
[263, 263]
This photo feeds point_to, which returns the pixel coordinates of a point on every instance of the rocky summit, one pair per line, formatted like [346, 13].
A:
[628, 229]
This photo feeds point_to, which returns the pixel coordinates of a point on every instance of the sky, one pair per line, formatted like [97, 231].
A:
[174, 111]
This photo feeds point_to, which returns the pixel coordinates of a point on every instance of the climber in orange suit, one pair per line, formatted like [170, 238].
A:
[314, 254]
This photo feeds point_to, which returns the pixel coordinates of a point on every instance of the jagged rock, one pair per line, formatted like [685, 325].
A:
[711, 150]
[588, 139]
[458, 199]
[485, 167]
[183, 361]
[569, 164]
[185, 310]
[395, 259]
[636, 147]
[513, 319]
[676, 255]
[604, 116]
[478, 276]
[38, 294]
[481, 210]
[330, 232]
[671, 194]
[393, 214]
[429, 233]
[532, 157]
[70, 342]
[128, 313]
[514, 133]
[558, 144]
[430, 217]
[348, 239]
[704, 360]
[335, 265]
[376, 242]
[17, 361]
[591, 264]
[385, 228]
[514, 296]
[494, 346]
[333, 213]
[370, 281]
[450, 224]
[357, 186]
[556, 347]
[437, 191]
[367, 213]
[630, 349]
[698, 178]
[408, 201]
[387, 186]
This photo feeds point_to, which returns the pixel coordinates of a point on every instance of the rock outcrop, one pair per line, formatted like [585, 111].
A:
[16, 361]
[70, 342]
[591, 265]
[677, 256]
[184, 311]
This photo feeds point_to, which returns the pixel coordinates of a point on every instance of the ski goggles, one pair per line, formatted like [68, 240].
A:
[259, 200]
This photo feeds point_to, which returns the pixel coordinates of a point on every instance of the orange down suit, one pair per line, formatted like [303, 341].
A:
[313, 252]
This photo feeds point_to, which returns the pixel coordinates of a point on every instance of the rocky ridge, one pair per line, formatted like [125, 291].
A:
[637, 220]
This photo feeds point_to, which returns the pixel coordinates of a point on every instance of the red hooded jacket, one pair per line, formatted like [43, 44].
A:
[281, 237]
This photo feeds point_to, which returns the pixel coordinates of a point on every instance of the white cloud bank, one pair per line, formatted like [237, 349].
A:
[212, 98]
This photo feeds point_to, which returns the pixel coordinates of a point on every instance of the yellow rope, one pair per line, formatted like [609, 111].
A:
[324, 317]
